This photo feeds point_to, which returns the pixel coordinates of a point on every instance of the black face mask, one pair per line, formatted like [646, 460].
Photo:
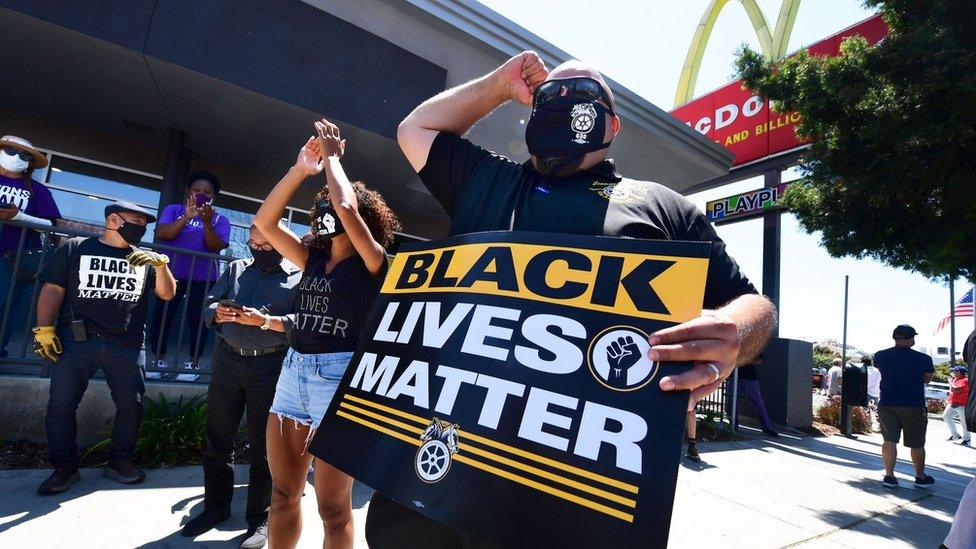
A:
[130, 232]
[564, 129]
[327, 224]
[266, 259]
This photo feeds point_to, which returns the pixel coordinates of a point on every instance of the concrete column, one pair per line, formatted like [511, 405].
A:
[771, 246]
[175, 170]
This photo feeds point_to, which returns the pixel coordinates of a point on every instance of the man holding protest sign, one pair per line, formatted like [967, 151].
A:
[570, 187]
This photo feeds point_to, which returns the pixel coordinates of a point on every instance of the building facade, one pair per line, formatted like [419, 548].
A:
[128, 96]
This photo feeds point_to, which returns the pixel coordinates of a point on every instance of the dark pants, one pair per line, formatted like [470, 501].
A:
[123, 367]
[390, 525]
[237, 384]
[754, 393]
[18, 303]
[197, 290]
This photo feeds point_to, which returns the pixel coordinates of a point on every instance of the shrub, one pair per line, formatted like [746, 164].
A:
[942, 372]
[829, 414]
[935, 406]
[171, 432]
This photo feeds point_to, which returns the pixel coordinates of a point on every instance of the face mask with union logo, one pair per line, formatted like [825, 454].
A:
[563, 130]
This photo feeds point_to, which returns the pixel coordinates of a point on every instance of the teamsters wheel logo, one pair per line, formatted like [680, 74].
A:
[583, 118]
[618, 358]
[433, 459]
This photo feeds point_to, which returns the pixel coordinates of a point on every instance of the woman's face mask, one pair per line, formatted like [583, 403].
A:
[13, 162]
[327, 224]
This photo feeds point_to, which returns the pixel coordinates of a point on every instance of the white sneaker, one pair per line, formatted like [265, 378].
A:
[160, 365]
[258, 537]
[189, 366]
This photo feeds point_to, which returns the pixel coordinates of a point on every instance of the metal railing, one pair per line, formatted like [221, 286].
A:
[723, 402]
[20, 298]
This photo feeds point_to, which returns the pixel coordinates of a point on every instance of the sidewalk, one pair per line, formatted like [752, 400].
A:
[757, 492]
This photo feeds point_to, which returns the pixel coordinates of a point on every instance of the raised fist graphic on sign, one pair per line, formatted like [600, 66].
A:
[622, 353]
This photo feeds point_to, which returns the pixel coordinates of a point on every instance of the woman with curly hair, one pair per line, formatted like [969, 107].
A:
[343, 267]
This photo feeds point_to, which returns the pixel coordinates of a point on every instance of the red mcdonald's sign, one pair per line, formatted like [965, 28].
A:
[743, 122]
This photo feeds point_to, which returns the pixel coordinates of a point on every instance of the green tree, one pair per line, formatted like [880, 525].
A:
[890, 172]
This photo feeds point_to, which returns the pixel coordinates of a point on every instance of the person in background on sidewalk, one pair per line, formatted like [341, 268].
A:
[835, 378]
[904, 373]
[691, 434]
[956, 404]
[195, 226]
[21, 199]
[252, 339]
[962, 535]
[749, 385]
[874, 381]
[100, 286]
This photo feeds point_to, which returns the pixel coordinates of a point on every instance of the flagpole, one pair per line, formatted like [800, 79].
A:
[952, 321]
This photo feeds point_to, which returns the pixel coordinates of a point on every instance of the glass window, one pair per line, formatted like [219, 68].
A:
[82, 190]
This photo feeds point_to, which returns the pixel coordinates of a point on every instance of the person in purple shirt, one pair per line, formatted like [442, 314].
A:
[195, 226]
[21, 199]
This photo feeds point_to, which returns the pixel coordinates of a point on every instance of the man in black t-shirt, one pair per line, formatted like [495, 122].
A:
[567, 186]
[91, 313]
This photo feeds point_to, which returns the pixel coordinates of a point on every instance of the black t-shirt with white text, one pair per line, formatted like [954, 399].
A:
[331, 309]
[106, 292]
[483, 191]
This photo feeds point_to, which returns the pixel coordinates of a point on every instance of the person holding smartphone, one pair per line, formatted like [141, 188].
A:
[249, 306]
[193, 225]
[343, 267]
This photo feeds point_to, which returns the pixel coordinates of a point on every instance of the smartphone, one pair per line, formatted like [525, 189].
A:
[229, 303]
[202, 199]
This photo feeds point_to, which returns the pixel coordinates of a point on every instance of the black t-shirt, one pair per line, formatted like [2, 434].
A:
[482, 191]
[110, 295]
[331, 309]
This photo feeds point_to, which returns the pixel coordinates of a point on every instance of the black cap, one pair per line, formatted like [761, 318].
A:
[126, 206]
[904, 331]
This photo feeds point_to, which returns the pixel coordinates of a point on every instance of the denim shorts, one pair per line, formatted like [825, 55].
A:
[307, 384]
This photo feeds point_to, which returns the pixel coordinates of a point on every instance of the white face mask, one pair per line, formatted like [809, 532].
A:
[13, 163]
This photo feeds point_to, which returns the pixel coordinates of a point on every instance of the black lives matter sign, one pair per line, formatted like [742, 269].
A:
[502, 386]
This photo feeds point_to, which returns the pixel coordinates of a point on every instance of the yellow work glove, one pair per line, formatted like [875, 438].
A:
[46, 343]
[146, 257]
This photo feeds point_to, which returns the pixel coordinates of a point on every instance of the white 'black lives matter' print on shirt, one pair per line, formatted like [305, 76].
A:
[331, 309]
[111, 296]
[110, 278]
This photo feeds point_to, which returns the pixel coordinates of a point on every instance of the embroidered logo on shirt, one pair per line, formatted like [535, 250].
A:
[626, 192]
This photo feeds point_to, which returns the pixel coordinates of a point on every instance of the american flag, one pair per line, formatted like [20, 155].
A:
[964, 307]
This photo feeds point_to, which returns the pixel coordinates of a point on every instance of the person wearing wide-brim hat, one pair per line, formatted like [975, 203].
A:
[22, 199]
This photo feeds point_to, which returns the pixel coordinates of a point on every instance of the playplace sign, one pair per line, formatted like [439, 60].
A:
[502, 386]
[750, 204]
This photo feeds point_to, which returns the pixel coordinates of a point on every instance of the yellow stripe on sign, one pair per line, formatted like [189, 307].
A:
[589, 475]
[494, 457]
[498, 472]
[547, 489]
[680, 287]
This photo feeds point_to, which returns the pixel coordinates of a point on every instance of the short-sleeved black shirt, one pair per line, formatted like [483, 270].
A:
[331, 309]
[482, 191]
[110, 295]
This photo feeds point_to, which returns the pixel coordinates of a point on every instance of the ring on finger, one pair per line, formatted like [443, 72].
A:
[715, 370]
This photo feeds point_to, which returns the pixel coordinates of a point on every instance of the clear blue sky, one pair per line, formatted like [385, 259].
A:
[642, 44]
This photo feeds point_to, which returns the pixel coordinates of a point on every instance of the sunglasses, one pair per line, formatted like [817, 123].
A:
[266, 247]
[584, 88]
[16, 152]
